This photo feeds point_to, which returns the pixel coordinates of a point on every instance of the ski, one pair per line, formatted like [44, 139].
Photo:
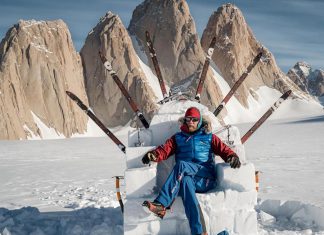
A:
[205, 69]
[177, 96]
[133, 105]
[265, 116]
[155, 63]
[76, 99]
[237, 84]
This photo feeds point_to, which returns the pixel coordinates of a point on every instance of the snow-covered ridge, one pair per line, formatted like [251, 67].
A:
[30, 23]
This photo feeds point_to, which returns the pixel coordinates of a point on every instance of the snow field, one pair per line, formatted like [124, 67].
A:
[69, 181]
[29, 220]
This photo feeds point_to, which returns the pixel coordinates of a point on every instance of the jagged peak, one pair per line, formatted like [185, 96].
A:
[108, 19]
[302, 68]
[108, 16]
[229, 9]
[25, 24]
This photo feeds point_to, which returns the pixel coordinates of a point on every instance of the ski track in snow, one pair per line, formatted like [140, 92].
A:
[66, 185]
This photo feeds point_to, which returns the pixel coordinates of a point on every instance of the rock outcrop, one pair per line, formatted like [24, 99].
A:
[236, 47]
[38, 64]
[176, 42]
[306, 79]
[111, 38]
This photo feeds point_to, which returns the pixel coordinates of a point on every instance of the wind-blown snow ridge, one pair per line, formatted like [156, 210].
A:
[277, 216]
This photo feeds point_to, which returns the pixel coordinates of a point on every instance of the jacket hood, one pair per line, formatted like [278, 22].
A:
[206, 124]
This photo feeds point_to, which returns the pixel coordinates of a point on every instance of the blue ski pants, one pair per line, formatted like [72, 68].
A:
[185, 182]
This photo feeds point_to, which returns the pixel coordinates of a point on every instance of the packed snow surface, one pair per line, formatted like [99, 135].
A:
[67, 184]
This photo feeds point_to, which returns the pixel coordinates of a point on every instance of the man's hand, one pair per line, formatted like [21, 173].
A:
[149, 156]
[234, 161]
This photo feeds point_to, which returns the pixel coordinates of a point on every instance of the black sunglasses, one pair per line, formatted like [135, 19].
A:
[194, 119]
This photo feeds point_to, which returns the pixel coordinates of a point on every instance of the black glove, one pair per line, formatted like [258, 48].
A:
[149, 156]
[234, 161]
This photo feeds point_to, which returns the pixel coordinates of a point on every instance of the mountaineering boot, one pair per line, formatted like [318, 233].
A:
[157, 208]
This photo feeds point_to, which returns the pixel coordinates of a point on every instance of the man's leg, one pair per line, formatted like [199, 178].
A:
[171, 187]
[191, 204]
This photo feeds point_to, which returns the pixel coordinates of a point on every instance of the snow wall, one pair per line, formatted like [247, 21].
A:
[229, 207]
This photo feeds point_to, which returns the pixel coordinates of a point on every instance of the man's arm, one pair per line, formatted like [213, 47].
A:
[227, 154]
[160, 153]
[221, 149]
[167, 149]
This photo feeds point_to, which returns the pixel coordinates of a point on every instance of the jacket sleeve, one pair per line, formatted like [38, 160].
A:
[164, 151]
[221, 149]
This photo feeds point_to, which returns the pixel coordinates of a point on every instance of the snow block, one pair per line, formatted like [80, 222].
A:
[161, 227]
[161, 131]
[271, 207]
[222, 210]
[136, 213]
[220, 221]
[213, 200]
[229, 134]
[288, 208]
[245, 222]
[134, 156]
[242, 179]
[140, 138]
[140, 182]
[240, 200]
[266, 219]
[309, 215]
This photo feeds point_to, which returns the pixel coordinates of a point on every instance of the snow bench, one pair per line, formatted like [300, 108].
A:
[230, 206]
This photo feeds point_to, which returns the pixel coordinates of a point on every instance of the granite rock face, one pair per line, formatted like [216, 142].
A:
[177, 46]
[307, 79]
[111, 38]
[38, 64]
[236, 46]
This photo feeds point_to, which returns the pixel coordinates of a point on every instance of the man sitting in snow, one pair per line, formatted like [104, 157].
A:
[194, 148]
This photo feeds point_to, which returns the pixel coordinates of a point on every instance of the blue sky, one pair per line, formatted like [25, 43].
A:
[293, 30]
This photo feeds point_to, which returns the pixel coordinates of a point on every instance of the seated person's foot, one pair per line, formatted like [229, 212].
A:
[157, 208]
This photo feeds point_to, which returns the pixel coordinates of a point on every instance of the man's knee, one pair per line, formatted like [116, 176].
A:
[186, 184]
[181, 163]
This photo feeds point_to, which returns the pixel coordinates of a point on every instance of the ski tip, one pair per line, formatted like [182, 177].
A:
[146, 125]
[288, 93]
[258, 56]
[69, 93]
[147, 35]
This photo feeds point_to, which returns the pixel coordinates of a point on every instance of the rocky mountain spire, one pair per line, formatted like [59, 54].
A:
[307, 79]
[111, 38]
[176, 43]
[236, 47]
[38, 63]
